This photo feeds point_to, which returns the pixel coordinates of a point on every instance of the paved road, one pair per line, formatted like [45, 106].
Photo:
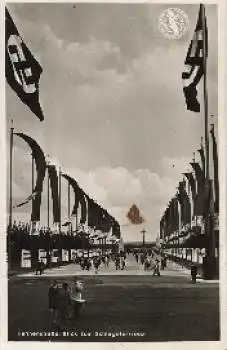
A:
[132, 268]
[165, 308]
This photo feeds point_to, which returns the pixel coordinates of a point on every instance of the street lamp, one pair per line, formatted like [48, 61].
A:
[143, 231]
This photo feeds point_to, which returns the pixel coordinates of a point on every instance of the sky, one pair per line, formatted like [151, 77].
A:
[115, 114]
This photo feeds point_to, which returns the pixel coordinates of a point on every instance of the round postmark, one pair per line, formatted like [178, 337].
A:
[173, 23]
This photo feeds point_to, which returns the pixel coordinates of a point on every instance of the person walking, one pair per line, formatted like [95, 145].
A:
[77, 300]
[142, 258]
[62, 306]
[96, 264]
[123, 264]
[162, 262]
[52, 298]
[39, 267]
[147, 263]
[156, 268]
[117, 263]
[194, 271]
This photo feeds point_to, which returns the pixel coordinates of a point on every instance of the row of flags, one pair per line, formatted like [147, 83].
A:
[23, 73]
[196, 198]
[23, 70]
[92, 214]
[194, 209]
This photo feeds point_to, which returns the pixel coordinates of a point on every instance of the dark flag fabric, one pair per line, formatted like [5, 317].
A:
[21, 68]
[79, 198]
[203, 160]
[40, 163]
[184, 201]
[200, 193]
[134, 215]
[27, 200]
[91, 209]
[194, 62]
[116, 230]
[192, 184]
[216, 177]
[107, 221]
[53, 178]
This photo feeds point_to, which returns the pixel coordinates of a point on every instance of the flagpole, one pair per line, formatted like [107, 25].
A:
[60, 199]
[70, 225]
[32, 190]
[10, 192]
[208, 215]
[48, 197]
[205, 93]
[68, 200]
[11, 176]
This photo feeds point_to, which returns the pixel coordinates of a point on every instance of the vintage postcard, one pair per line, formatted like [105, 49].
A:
[112, 172]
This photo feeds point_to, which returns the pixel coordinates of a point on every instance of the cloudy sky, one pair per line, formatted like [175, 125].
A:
[115, 115]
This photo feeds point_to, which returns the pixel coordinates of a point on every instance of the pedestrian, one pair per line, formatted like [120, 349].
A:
[106, 261]
[52, 298]
[38, 267]
[156, 268]
[77, 301]
[96, 264]
[194, 271]
[117, 262]
[42, 267]
[63, 306]
[142, 258]
[165, 261]
[147, 263]
[123, 264]
[162, 262]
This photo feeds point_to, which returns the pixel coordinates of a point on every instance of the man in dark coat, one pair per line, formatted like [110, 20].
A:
[194, 271]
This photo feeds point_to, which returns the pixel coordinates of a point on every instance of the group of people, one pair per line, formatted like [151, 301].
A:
[65, 301]
[120, 262]
[88, 263]
[151, 261]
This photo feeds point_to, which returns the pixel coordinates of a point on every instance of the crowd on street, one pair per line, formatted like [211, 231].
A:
[151, 261]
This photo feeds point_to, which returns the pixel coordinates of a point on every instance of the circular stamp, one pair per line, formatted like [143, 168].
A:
[173, 23]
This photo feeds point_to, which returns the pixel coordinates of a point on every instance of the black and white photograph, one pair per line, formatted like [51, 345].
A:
[112, 172]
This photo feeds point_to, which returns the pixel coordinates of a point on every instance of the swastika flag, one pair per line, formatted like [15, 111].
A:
[21, 68]
[194, 68]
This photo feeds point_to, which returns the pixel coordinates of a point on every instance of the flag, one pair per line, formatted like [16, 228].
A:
[192, 184]
[194, 62]
[116, 230]
[53, 177]
[184, 201]
[40, 163]
[216, 177]
[79, 198]
[200, 193]
[203, 160]
[27, 200]
[21, 68]
[134, 215]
